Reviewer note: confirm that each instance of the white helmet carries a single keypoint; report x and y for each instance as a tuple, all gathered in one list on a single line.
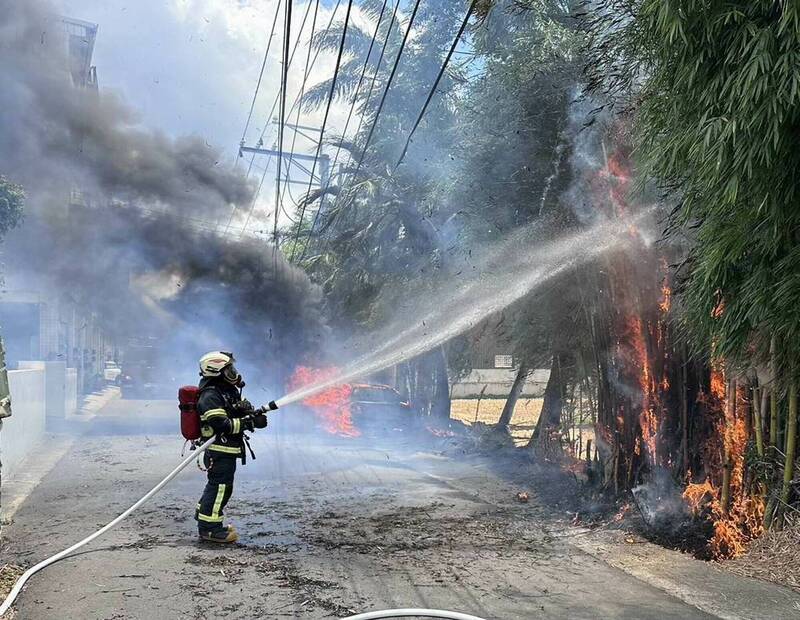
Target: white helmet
[(219, 364)]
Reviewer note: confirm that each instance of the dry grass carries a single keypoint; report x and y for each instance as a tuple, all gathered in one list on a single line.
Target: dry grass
[(488, 411), (773, 557), (8, 577)]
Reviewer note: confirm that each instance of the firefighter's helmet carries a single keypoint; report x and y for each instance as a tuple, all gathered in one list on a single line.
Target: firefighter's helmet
[(219, 364)]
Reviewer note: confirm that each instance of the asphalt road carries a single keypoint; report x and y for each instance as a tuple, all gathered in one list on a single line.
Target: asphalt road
[(328, 527)]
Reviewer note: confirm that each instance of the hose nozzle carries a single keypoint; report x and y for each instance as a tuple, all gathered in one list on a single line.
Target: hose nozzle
[(272, 406)]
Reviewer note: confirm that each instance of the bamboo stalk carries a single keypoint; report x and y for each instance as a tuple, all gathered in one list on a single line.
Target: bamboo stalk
[(769, 512), (773, 417), (757, 423), (773, 404), (791, 442), (764, 406), (684, 413), (727, 465)]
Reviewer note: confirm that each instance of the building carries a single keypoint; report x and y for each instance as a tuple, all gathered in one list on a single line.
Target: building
[(79, 38), (38, 325)]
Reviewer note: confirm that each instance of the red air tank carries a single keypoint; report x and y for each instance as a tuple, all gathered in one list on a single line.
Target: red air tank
[(190, 418)]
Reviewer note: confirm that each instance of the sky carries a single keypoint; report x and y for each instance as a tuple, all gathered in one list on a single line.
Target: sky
[(191, 66)]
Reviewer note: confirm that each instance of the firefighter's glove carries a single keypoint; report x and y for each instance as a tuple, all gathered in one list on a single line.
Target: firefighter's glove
[(244, 406), (254, 421)]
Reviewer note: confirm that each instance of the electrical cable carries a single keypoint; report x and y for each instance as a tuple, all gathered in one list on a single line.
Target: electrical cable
[(388, 86), (347, 122), (250, 113), (324, 121), (261, 73), (377, 69), (438, 79), (272, 110), (284, 80), (383, 98), (364, 107), (300, 97), (369, 96)]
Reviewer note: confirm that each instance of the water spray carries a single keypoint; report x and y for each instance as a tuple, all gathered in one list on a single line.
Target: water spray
[(507, 276), (474, 301)]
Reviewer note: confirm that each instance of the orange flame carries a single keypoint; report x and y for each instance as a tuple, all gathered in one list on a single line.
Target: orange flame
[(331, 406), (666, 295), (742, 521), (648, 417), (699, 494)]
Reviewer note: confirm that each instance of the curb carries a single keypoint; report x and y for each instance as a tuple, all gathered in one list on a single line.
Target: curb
[(702, 585), (46, 454)]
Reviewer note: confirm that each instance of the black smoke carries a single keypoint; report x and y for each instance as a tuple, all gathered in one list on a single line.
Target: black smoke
[(118, 216)]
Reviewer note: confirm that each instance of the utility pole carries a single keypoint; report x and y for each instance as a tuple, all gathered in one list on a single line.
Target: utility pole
[(294, 160), (296, 167)]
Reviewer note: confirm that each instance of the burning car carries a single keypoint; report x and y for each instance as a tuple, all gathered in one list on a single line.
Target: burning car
[(378, 407), (349, 409)]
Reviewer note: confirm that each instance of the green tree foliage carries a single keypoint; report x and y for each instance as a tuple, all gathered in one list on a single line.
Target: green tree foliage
[(716, 86), (379, 227), (12, 200)]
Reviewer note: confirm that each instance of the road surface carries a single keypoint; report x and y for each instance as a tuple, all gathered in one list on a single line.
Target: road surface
[(328, 527)]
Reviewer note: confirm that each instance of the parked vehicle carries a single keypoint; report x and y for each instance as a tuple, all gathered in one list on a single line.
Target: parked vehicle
[(112, 372), (141, 376), (378, 408)]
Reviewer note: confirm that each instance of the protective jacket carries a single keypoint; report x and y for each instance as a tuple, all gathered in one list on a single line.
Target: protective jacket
[(219, 406)]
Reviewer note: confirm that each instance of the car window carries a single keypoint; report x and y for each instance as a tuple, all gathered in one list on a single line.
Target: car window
[(375, 395)]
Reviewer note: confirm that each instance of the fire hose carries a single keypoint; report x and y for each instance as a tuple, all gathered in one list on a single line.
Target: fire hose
[(20, 583), (412, 613), (12, 596)]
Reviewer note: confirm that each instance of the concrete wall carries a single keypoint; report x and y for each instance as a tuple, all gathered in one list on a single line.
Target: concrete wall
[(497, 382), (71, 391), (54, 386), (25, 427), (42, 395)]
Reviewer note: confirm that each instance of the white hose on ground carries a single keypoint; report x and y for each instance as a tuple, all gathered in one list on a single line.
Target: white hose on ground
[(12, 596), (412, 613)]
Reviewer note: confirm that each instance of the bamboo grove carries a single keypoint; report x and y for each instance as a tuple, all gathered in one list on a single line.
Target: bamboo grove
[(679, 352)]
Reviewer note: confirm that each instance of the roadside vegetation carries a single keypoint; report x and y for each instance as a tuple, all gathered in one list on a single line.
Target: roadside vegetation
[(680, 355)]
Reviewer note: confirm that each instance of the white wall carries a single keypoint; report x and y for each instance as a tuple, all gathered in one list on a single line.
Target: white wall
[(497, 382), (26, 426), (71, 391)]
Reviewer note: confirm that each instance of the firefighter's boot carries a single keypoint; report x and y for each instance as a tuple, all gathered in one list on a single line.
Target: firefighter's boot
[(224, 535)]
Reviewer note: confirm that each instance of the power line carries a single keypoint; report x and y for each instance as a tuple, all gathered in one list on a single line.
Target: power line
[(358, 86), (388, 85), (353, 106), (377, 69), (249, 117), (302, 91), (261, 73), (277, 96), (272, 110), (438, 79), (284, 80), (324, 120)]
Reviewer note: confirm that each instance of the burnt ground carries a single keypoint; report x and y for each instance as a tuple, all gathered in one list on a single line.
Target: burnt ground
[(331, 527)]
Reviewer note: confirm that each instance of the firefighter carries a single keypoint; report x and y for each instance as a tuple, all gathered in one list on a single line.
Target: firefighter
[(224, 413)]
